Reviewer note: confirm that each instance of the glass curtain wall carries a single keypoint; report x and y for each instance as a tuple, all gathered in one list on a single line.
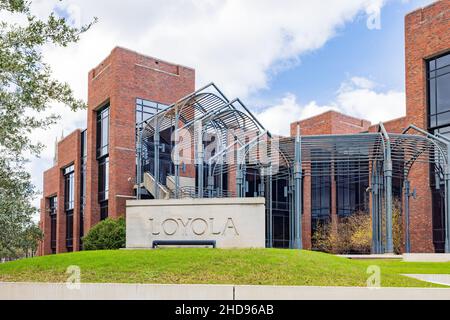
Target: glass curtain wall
[(69, 202), (103, 159), (438, 85)]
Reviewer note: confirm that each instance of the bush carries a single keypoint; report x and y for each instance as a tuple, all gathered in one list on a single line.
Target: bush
[(107, 235), (353, 234)]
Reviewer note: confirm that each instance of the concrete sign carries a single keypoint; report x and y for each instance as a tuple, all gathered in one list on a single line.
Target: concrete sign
[(231, 222)]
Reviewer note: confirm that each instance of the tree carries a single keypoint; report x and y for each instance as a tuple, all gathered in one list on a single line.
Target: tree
[(27, 90)]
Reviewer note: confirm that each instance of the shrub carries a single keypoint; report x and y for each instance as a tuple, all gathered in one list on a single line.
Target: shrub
[(353, 234), (106, 235)]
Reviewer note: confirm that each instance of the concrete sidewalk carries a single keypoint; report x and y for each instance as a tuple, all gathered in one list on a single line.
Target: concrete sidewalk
[(443, 279), (99, 291)]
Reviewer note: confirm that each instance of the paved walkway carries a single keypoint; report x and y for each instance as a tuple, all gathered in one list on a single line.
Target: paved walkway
[(434, 278), (113, 291)]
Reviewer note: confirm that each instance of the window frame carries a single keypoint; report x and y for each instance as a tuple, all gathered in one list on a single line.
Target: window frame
[(102, 119), (431, 77)]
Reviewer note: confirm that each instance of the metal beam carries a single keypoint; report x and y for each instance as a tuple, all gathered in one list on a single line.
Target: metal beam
[(447, 203), (375, 212), (200, 159), (156, 160), (298, 192), (139, 162), (388, 190), (177, 155), (407, 188)]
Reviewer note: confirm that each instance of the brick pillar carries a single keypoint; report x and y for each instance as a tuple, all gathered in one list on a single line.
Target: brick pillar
[(420, 213), (44, 245), (61, 218)]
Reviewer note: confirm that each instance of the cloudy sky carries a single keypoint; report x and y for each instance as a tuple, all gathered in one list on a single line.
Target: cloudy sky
[(287, 60)]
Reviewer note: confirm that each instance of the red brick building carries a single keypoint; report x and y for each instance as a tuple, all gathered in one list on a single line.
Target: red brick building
[(94, 172)]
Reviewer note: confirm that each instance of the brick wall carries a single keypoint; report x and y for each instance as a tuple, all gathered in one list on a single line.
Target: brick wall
[(427, 35), (119, 79), (330, 122), (69, 152)]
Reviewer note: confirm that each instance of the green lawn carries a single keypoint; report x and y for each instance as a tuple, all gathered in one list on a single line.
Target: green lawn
[(216, 266)]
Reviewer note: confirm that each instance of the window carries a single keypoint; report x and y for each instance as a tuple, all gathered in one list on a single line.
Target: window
[(69, 201), (438, 85), (53, 208), (321, 191), (103, 159), (103, 179), (352, 180), (438, 78), (69, 230), (102, 131), (69, 191), (103, 186), (104, 210), (145, 109)]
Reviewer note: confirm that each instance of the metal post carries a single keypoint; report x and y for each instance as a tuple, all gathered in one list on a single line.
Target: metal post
[(177, 155), (407, 195), (269, 200), (375, 240), (210, 181), (220, 191), (238, 174), (447, 202), (292, 212), (298, 192), (156, 160), (200, 159), (239, 181), (263, 172), (139, 162), (380, 183), (388, 190)]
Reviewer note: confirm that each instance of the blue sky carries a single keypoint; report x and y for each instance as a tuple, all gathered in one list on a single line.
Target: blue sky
[(340, 63), (355, 51)]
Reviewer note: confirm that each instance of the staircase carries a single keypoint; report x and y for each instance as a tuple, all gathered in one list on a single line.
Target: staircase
[(185, 185), (149, 184)]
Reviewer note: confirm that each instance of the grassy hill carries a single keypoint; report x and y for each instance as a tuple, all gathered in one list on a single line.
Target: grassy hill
[(216, 266)]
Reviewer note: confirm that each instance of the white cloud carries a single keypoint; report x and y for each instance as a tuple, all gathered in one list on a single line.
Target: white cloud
[(278, 118), (238, 44), (357, 97)]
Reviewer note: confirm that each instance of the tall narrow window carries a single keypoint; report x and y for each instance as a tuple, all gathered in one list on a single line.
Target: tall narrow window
[(102, 131), (438, 85), (69, 202), (320, 189), (352, 180), (103, 179), (103, 160), (53, 210)]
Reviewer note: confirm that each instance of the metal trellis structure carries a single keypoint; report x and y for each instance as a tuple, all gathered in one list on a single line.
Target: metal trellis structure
[(206, 146)]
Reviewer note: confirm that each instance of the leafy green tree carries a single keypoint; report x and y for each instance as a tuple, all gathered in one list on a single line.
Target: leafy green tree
[(27, 90), (109, 234)]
